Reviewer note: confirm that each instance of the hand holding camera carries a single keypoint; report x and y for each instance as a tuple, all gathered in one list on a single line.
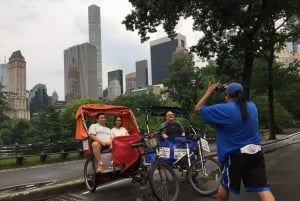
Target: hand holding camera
[(220, 88)]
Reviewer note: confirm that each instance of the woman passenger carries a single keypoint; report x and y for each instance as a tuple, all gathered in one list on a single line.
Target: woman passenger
[(118, 129)]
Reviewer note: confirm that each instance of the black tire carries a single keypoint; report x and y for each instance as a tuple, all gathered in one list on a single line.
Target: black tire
[(90, 176), (205, 184), (163, 182)]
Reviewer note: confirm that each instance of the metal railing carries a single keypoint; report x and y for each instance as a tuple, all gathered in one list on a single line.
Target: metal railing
[(41, 149)]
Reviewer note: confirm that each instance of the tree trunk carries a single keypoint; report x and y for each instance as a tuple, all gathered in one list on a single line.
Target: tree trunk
[(270, 94), (247, 71)]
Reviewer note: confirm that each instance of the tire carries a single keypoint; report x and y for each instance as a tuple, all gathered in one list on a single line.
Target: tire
[(90, 176), (163, 182), (205, 184)]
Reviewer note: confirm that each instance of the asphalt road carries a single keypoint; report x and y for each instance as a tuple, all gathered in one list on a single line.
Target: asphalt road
[(283, 175), (278, 163), (41, 174)]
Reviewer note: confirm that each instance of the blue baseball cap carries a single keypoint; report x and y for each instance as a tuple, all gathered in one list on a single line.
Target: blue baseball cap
[(233, 88)]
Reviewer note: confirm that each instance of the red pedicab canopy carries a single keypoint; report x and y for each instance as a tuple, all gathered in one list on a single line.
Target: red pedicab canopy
[(123, 153)]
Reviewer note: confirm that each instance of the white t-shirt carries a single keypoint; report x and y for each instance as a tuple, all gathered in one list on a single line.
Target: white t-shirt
[(102, 132), (119, 132)]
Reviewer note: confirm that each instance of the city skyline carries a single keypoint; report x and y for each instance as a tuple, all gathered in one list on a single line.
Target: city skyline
[(43, 34)]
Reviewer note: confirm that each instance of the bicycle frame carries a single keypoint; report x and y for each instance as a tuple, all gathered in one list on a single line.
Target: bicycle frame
[(189, 155), (202, 172)]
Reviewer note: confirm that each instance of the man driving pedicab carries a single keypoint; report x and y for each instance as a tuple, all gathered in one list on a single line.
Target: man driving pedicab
[(171, 126)]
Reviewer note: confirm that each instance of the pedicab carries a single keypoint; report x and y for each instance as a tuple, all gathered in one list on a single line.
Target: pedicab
[(187, 154), (127, 155)]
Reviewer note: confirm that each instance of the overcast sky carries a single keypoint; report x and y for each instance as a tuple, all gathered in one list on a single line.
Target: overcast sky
[(43, 29)]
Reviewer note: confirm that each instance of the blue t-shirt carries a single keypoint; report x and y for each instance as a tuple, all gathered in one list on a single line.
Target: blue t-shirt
[(232, 132)]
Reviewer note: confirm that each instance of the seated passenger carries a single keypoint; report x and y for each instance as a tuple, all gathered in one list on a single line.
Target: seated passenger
[(171, 126), (118, 129), (101, 136)]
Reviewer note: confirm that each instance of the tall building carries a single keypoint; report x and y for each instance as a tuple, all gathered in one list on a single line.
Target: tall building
[(80, 72), (289, 54), (130, 79), (115, 84), (179, 52), (161, 51), (54, 97), (38, 99), (3, 77), (95, 39), (16, 85), (141, 69)]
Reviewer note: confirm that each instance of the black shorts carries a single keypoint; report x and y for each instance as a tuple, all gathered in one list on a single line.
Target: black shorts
[(249, 168)]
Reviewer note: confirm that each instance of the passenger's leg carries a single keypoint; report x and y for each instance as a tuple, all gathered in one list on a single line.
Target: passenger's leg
[(223, 194), (266, 196), (96, 150)]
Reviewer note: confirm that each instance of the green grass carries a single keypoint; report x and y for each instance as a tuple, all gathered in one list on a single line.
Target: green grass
[(35, 160)]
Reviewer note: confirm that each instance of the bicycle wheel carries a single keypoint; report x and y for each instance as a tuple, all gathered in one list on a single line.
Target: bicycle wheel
[(201, 183), (163, 182), (90, 176)]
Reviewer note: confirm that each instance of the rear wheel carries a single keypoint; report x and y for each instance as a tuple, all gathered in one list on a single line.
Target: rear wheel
[(90, 176), (205, 184), (163, 182)]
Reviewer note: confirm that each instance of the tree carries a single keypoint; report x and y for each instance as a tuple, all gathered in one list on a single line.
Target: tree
[(4, 105), (229, 27), (184, 81), (68, 116)]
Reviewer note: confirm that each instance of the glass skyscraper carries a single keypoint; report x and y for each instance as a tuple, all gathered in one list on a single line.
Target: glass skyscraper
[(161, 56)]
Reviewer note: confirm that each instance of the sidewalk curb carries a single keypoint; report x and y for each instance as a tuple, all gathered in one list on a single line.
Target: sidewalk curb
[(285, 138), (46, 192)]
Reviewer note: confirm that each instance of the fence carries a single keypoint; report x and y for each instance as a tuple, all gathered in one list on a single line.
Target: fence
[(43, 150)]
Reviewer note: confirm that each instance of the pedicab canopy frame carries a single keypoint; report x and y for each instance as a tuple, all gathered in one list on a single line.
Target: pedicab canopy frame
[(123, 153)]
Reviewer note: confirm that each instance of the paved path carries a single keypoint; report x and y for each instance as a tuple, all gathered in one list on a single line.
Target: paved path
[(68, 170), (44, 173)]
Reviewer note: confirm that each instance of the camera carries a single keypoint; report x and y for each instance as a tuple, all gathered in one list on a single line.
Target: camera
[(220, 88)]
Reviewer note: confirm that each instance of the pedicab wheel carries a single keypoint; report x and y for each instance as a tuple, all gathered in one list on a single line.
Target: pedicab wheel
[(205, 184), (163, 182), (90, 175)]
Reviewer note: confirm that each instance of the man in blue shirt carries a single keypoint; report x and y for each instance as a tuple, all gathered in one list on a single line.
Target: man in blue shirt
[(238, 142)]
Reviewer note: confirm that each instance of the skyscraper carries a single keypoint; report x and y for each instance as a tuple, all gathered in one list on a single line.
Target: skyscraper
[(80, 72), (16, 85), (95, 39), (161, 51), (38, 99), (130, 80), (141, 69), (115, 84)]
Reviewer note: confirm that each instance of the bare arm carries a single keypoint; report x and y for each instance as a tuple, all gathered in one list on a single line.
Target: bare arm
[(202, 102)]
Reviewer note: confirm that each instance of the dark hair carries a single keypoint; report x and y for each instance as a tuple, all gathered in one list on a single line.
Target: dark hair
[(240, 99), (116, 119), (99, 114)]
